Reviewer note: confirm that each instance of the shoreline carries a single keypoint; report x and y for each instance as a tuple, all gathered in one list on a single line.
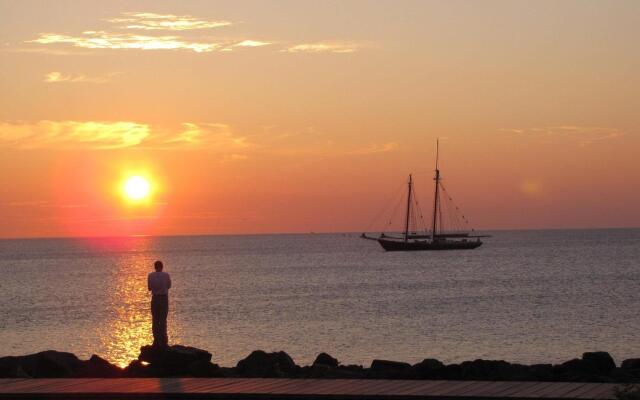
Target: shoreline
[(185, 361)]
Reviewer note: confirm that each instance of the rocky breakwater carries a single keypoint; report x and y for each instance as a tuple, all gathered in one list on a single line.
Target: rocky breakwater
[(180, 360)]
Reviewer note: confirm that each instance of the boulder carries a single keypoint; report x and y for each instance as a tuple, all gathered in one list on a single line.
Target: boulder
[(204, 369), (172, 360), (326, 359), (137, 369), (601, 361), (46, 364), (498, 370), (260, 364), (389, 369), (428, 368), (322, 371), (631, 363), (98, 367), (541, 372)]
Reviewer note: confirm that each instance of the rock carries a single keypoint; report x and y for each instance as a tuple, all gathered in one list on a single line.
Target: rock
[(137, 369), (387, 365), (204, 369), (172, 360), (493, 370), (260, 364), (601, 361), (576, 370), (326, 359), (98, 367), (541, 372), (389, 369), (631, 363), (428, 368), (46, 364), (322, 371)]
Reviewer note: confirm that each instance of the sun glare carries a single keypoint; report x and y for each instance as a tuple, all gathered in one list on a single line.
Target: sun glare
[(137, 188)]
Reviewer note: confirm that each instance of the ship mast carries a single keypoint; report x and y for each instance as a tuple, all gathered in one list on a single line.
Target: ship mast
[(435, 197), (406, 221)]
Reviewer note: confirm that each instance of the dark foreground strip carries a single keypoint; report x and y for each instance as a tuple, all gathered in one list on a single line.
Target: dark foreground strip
[(297, 389)]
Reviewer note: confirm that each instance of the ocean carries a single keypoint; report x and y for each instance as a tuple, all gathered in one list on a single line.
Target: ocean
[(524, 296)]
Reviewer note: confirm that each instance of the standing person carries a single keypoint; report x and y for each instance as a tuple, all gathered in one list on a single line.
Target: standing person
[(159, 283)]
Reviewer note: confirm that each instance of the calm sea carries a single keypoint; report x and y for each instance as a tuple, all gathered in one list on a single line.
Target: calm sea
[(525, 296)]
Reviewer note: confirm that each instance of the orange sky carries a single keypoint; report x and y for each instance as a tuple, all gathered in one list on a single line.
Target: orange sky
[(290, 116)]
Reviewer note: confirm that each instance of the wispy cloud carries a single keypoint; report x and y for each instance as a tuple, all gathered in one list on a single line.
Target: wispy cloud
[(120, 134), (323, 48), (121, 34), (106, 40), (584, 135), (375, 148), (251, 43), (152, 21), (72, 134), (57, 77)]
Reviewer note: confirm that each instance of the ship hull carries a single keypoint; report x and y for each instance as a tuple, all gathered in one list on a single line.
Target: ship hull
[(398, 245)]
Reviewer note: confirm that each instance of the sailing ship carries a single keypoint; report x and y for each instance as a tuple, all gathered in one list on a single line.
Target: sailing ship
[(436, 237)]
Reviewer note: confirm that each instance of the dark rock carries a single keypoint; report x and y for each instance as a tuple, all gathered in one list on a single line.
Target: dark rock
[(137, 369), (46, 364), (326, 359), (98, 367), (494, 370), (322, 371), (631, 363), (601, 361), (260, 364), (428, 368), (386, 369), (541, 372), (204, 369), (387, 365), (577, 370), (172, 360)]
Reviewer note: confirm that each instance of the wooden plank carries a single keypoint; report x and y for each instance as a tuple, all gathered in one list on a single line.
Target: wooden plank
[(456, 388), (491, 388), (522, 390), (604, 391), (270, 388), (427, 388), (587, 388), (558, 390), (209, 385)]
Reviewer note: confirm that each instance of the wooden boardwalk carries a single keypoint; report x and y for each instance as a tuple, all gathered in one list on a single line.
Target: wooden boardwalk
[(296, 389)]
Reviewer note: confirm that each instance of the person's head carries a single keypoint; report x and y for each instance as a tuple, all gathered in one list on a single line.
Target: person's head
[(158, 265)]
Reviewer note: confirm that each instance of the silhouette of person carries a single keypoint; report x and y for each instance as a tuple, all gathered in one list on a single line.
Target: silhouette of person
[(159, 283)]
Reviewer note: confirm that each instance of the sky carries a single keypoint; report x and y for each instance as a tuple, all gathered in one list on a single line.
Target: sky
[(301, 116)]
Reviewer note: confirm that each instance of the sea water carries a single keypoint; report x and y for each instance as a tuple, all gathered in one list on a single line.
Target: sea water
[(524, 296)]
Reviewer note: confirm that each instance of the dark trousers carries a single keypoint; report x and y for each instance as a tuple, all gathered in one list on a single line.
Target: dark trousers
[(159, 312)]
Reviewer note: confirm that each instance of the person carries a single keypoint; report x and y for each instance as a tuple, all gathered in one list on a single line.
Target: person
[(159, 283)]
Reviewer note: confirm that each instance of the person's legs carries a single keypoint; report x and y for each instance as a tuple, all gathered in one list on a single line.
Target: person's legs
[(162, 321), (155, 320)]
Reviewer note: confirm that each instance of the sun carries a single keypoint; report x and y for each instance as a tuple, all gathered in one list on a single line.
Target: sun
[(137, 188)]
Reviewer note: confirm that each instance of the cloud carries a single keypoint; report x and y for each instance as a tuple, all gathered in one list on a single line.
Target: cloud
[(120, 134), (106, 40), (376, 148), (57, 77), (323, 48), (251, 43), (585, 135), (151, 21), (72, 134)]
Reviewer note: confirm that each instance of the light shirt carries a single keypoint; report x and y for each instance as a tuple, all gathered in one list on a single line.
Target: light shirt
[(159, 282)]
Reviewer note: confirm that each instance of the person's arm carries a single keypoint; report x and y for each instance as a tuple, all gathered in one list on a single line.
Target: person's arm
[(149, 282), (169, 276)]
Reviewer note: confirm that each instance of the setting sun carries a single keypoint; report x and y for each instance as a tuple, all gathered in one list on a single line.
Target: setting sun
[(137, 188)]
